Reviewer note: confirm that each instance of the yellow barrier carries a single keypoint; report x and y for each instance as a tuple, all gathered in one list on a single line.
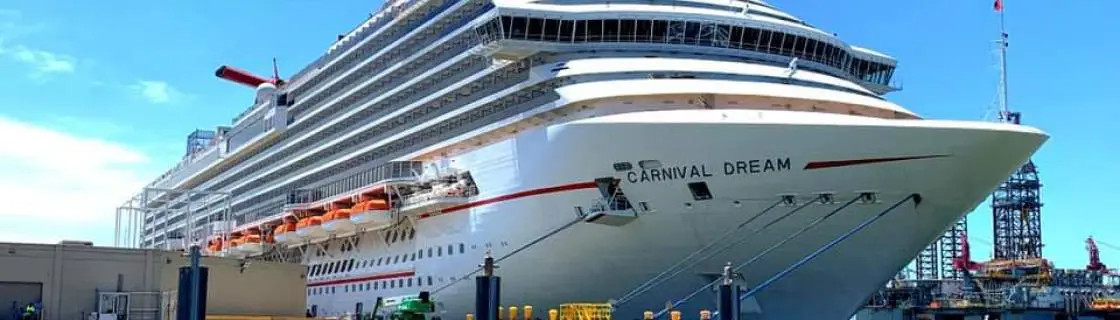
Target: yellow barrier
[(251, 317), (585, 311)]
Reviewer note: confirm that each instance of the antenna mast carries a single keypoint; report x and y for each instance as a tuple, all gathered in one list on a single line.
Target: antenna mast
[(1005, 114)]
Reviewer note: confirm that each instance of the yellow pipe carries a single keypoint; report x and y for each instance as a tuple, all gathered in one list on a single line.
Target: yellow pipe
[(648, 315), (512, 313), (528, 312), (705, 315), (675, 315), (470, 316), (553, 314)]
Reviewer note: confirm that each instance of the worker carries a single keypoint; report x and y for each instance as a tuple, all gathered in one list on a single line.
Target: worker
[(30, 313)]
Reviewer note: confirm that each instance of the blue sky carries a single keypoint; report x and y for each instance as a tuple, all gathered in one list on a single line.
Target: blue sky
[(99, 99)]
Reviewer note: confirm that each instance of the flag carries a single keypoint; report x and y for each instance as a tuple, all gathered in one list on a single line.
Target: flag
[(998, 6)]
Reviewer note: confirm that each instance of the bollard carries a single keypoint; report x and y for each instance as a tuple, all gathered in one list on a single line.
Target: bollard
[(648, 315), (512, 313), (675, 315), (553, 314), (528, 312), (705, 315), (470, 316)]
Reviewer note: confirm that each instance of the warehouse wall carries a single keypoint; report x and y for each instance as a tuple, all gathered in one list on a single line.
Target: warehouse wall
[(261, 288), (71, 276)]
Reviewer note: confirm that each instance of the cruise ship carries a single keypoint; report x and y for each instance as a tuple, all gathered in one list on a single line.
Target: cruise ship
[(616, 152)]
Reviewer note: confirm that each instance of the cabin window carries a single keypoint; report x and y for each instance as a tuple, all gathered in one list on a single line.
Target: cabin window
[(450, 249), (462, 248)]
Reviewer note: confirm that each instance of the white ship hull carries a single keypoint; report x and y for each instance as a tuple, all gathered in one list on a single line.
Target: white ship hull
[(532, 184)]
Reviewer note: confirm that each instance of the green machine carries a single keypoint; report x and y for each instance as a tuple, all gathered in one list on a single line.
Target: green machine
[(414, 308), (420, 307)]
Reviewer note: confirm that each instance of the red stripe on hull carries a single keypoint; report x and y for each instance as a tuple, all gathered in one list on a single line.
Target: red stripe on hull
[(380, 276), (853, 162), (512, 196)]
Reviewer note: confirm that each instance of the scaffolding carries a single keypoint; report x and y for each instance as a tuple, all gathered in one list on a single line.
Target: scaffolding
[(926, 266), (952, 248), (935, 262), (146, 219), (1016, 215)]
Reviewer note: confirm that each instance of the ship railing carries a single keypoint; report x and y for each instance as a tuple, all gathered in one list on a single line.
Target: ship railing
[(389, 173), (612, 204)]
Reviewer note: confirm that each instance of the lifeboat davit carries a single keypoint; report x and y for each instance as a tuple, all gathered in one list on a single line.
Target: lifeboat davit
[(251, 244), (373, 214), (337, 221), (311, 228), (286, 233)]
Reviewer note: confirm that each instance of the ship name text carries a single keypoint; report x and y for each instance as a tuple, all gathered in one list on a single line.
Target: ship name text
[(700, 171)]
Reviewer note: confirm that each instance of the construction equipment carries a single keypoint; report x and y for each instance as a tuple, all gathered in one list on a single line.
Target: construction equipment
[(418, 308)]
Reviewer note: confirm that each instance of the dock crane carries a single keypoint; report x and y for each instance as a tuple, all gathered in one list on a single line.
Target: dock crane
[(1095, 263)]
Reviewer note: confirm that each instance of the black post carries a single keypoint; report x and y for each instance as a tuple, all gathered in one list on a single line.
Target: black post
[(728, 302), (196, 255), (487, 295)]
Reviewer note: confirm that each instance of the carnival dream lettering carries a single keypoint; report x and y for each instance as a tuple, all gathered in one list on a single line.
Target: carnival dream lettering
[(695, 171)]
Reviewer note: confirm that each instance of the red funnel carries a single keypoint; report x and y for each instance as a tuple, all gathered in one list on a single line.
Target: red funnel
[(240, 76)]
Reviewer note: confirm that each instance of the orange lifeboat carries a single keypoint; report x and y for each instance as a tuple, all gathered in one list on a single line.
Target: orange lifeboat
[(251, 244), (337, 221), (286, 233), (373, 214), (311, 228), (233, 243), (214, 245)]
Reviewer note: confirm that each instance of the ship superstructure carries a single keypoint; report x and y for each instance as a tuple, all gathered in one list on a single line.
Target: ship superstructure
[(591, 144)]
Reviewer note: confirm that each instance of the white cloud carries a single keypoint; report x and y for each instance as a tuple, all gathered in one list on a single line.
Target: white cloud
[(44, 62), (56, 186), (158, 92)]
